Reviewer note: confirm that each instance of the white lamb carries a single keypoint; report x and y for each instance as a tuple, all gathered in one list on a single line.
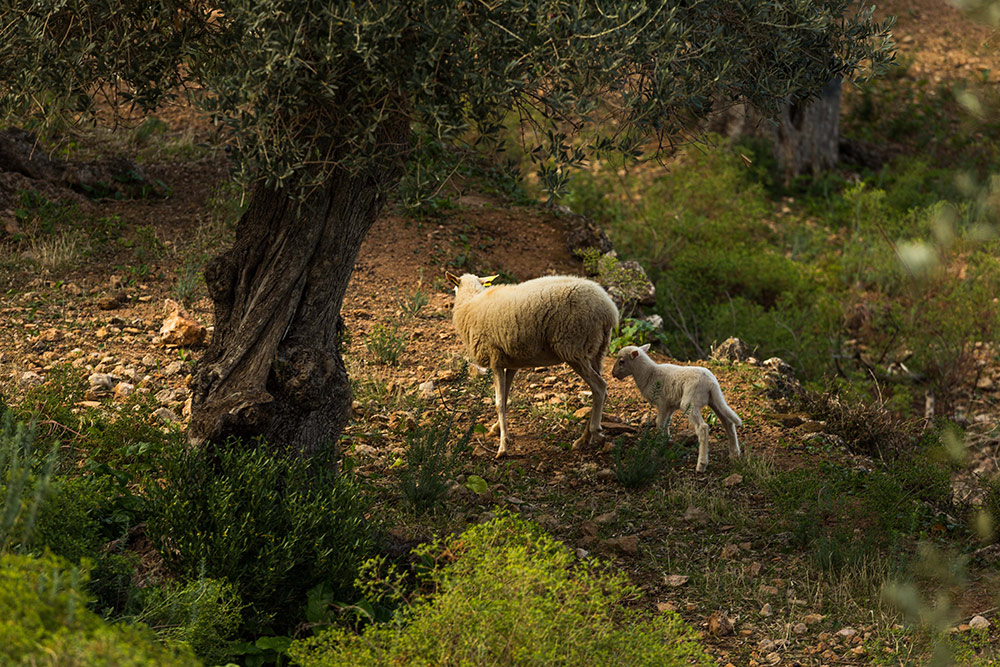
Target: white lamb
[(540, 322), (671, 387)]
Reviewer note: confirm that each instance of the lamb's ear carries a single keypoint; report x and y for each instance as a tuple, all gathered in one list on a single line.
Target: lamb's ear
[(645, 348), (452, 278), (488, 280), (634, 354)]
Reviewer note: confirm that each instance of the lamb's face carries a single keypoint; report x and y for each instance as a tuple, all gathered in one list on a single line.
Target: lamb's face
[(623, 364)]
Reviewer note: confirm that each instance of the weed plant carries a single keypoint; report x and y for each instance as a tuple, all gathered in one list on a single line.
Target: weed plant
[(867, 427), (203, 615), (642, 461), (505, 593), (412, 303), (431, 459), (386, 344)]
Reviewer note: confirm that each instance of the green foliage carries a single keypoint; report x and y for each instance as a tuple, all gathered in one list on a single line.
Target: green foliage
[(271, 525), (430, 461), (505, 593), (202, 615), (189, 281), (639, 463), (991, 508), (46, 621), (386, 344), (631, 331)]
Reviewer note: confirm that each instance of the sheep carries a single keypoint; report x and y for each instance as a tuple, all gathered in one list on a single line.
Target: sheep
[(671, 387), (540, 322)]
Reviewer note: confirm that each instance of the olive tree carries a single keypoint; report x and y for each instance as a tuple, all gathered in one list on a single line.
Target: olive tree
[(318, 100)]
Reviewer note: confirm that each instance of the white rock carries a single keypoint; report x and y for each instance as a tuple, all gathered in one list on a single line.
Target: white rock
[(427, 390), (166, 415), (101, 381), (123, 390), (979, 623), (31, 379)]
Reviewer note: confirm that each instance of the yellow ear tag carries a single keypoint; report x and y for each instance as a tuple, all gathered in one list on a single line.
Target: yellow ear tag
[(488, 280)]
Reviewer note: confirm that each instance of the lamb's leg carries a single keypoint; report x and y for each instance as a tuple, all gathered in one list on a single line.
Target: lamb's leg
[(734, 442), (663, 416), (593, 434), (701, 430)]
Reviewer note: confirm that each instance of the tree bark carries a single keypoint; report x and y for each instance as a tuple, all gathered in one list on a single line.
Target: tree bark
[(273, 368)]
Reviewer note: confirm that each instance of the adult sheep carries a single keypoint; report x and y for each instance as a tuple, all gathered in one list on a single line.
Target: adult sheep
[(541, 322)]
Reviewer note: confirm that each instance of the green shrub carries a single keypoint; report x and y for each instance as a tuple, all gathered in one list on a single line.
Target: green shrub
[(272, 525), (505, 593), (638, 464), (45, 621), (25, 480), (203, 615)]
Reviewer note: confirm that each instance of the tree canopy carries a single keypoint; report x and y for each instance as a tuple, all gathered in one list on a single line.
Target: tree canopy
[(304, 87)]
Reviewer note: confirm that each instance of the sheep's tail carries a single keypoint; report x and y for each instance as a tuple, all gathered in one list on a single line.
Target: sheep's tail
[(722, 408)]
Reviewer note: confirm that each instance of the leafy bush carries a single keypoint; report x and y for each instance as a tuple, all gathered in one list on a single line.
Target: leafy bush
[(505, 593), (46, 621), (271, 525), (638, 464), (634, 332)]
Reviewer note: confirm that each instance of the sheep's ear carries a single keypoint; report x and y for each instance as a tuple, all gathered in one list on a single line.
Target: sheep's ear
[(488, 280), (452, 278), (634, 354), (645, 348)]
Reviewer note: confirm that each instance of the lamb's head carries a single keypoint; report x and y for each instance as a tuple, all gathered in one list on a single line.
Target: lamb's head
[(468, 285), (627, 358)]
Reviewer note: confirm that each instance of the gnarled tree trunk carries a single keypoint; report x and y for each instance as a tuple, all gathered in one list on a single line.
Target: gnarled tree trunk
[(273, 368), (804, 136)]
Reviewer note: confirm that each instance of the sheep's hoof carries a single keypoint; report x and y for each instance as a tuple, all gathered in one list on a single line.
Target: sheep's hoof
[(500, 453), (701, 467), (588, 438), (494, 428)]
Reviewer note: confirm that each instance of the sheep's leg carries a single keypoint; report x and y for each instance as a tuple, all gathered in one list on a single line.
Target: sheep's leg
[(701, 430), (503, 378), (508, 378), (593, 434)]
